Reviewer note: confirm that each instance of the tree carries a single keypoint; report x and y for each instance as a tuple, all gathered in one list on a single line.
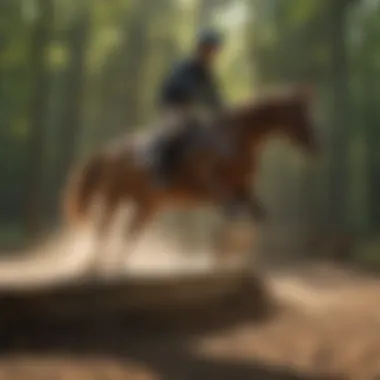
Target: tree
[(71, 120), (340, 113), (38, 108)]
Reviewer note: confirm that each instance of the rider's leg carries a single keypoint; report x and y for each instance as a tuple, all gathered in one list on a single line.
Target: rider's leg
[(166, 148), (194, 133), (158, 169)]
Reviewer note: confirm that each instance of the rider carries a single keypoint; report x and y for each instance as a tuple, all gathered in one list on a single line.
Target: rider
[(189, 84)]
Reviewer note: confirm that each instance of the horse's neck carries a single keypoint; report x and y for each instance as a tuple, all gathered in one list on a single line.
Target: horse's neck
[(250, 143), (260, 131)]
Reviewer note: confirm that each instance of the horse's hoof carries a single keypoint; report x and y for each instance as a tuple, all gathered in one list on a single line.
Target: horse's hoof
[(259, 215)]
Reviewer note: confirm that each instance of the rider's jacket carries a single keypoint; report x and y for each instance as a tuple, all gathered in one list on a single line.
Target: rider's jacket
[(189, 84)]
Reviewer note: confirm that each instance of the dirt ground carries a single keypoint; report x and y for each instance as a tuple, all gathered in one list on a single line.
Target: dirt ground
[(318, 324)]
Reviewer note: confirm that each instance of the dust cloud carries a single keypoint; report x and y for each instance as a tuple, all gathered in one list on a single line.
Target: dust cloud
[(317, 321)]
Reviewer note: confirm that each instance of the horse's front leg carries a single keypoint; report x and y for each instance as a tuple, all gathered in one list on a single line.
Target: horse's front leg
[(208, 181), (98, 262), (141, 217), (241, 210), (244, 203), (256, 209)]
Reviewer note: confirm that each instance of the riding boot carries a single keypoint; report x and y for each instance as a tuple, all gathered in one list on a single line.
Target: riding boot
[(159, 177), (160, 167), (164, 166), (194, 135)]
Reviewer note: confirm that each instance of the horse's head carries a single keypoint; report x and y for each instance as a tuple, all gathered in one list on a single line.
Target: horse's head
[(297, 120), (287, 114)]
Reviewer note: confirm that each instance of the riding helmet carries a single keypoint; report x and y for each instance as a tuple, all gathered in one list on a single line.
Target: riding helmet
[(209, 37)]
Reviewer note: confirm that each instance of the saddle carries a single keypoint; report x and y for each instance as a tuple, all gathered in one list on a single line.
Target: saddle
[(170, 146), (184, 136), (182, 140)]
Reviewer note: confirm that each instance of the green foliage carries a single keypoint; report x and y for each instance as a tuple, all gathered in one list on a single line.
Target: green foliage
[(367, 254), (114, 53)]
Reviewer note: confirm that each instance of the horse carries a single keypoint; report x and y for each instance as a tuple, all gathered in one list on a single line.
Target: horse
[(118, 173)]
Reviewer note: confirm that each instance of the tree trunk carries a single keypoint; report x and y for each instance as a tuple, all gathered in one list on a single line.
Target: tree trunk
[(121, 84), (340, 128), (71, 120), (340, 115), (372, 137), (38, 107)]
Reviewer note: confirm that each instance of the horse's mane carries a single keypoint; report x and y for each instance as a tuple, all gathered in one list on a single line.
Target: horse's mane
[(270, 101)]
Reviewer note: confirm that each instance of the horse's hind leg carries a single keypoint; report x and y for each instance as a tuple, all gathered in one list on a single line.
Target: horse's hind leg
[(103, 229), (140, 218)]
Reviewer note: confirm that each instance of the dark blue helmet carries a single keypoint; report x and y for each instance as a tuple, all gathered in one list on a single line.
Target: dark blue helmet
[(209, 37)]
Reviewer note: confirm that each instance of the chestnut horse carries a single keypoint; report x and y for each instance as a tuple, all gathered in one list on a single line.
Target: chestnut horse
[(119, 172)]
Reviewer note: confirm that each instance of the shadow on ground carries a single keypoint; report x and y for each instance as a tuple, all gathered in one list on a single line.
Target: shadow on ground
[(139, 347)]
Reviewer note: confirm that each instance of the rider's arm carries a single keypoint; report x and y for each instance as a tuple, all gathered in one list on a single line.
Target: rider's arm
[(178, 87), (186, 80), (213, 95)]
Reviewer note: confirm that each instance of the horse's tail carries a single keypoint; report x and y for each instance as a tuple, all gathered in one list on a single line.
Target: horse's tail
[(81, 189)]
